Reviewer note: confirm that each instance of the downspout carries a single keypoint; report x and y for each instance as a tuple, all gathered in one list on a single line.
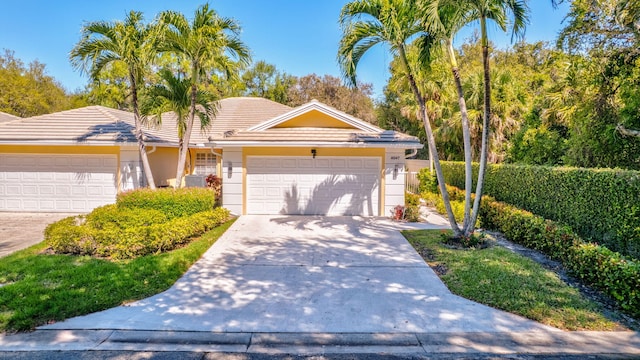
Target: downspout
[(215, 153), (413, 153)]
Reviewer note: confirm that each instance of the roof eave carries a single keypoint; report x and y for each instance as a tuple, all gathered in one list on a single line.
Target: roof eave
[(348, 144)]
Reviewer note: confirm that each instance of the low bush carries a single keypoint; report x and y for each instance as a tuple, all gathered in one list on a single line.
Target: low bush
[(428, 181), (69, 236), (596, 265), (173, 203), (111, 215), (412, 207), (601, 205)]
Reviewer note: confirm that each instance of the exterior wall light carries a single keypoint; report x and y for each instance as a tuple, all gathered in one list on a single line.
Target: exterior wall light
[(314, 152), (229, 169)]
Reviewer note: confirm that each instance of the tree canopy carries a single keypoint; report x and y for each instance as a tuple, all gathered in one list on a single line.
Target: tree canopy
[(27, 90)]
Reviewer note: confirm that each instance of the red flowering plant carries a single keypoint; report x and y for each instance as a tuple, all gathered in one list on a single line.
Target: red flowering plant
[(214, 183)]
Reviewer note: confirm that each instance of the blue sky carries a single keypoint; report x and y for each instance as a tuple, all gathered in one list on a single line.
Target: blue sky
[(300, 37)]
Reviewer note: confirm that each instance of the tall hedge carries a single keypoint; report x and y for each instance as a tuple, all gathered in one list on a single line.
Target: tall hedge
[(173, 203), (601, 205)]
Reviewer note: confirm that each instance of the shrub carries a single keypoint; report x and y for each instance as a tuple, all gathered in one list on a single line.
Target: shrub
[(173, 203), (69, 237), (596, 265), (111, 215), (428, 181), (601, 205), (214, 183), (412, 207)]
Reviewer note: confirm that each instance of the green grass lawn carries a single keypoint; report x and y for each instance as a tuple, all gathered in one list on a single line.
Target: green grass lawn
[(501, 279), (39, 288)]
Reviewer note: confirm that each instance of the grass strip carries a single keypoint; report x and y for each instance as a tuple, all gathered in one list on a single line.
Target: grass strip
[(507, 281), (38, 288)]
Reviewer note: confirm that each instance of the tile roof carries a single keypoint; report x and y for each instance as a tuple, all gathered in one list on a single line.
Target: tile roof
[(99, 124), (236, 113), (91, 123), (4, 117), (319, 135)]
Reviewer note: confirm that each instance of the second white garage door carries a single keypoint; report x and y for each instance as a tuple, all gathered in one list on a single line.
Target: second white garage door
[(306, 186), (56, 182)]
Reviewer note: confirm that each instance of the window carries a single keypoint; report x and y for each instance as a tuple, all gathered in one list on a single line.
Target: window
[(205, 164)]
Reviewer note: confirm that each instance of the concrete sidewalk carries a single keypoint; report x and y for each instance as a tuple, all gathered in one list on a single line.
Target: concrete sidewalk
[(412, 345)]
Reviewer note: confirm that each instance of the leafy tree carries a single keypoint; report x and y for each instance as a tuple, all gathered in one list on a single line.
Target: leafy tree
[(208, 42), (264, 80), (130, 43), (27, 90), (111, 88), (606, 35), (330, 90)]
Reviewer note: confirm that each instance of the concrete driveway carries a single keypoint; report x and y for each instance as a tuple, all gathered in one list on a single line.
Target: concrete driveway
[(21, 230), (307, 274)]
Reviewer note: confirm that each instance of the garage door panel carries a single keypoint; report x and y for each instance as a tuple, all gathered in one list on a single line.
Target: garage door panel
[(47, 190), (30, 190), (289, 163), (47, 205), (321, 186), (323, 163), (13, 177), (82, 162), (57, 182)]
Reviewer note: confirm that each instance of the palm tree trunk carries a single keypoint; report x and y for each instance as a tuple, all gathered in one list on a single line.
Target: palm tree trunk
[(184, 142), (485, 127), (431, 143), (466, 135), (142, 148)]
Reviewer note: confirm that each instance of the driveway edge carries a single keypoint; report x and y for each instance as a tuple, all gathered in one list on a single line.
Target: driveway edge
[(534, 343)]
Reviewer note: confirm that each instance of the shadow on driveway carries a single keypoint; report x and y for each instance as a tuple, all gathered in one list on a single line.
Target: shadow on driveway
[(307, 274)]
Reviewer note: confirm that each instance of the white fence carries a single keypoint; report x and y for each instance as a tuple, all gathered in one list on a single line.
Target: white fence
[(411, 181)]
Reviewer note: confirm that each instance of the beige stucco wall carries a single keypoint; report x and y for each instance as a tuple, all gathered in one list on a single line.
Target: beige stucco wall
[(163, 162)]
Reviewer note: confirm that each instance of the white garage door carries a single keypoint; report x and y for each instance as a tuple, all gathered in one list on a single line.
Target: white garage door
[(306, 186), (56, 183)]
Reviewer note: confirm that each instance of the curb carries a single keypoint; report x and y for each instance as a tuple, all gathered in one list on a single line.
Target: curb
[(533, 343)]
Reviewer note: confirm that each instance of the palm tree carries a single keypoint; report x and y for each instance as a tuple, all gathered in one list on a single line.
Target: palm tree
[(442, 22), (443, 19), (129, 42), (366, 23), (499, 11), (172, 94), (207, 42)]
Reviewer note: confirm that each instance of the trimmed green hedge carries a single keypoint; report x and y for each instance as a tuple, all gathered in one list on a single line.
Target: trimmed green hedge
[(596, 265), (171, 202), (112, 216), (70, 236), (601, 205)]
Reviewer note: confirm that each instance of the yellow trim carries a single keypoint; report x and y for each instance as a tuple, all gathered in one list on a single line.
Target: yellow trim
[(57, 149), (306, 151), (315, 118)]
